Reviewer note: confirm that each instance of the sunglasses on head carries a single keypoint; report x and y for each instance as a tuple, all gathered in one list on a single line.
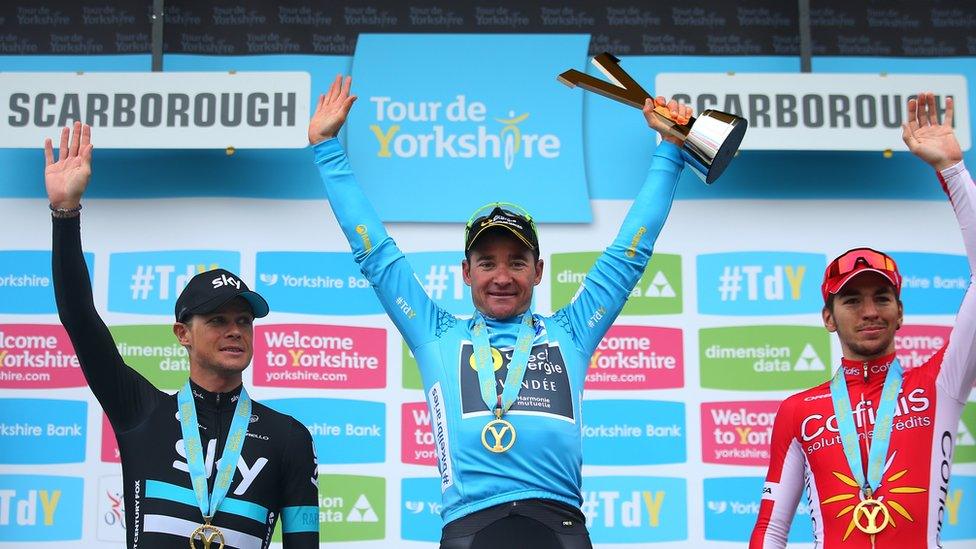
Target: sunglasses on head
[(861, 256), (489, 207)]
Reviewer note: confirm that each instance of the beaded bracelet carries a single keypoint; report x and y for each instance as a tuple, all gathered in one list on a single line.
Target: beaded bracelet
[(62, 213)]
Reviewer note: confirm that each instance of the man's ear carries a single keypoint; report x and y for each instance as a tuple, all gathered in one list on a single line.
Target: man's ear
[(182, 333), (466, 271), (828, 320), (539, 265)]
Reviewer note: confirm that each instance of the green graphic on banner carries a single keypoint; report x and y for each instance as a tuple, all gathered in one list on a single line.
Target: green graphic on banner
[(152, 350), (658, 292), (351, 508), (411, 371), (966, 436), (764, 358)]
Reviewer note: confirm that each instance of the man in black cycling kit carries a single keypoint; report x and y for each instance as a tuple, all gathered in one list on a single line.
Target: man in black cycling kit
[(206, 466)]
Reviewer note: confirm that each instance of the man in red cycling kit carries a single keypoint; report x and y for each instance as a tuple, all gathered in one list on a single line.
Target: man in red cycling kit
[(874, 446)]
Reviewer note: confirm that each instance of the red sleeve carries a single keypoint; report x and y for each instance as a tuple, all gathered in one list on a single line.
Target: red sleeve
[(784, 482)]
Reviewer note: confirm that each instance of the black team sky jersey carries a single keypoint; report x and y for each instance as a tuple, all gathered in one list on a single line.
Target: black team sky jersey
[(276, 475)]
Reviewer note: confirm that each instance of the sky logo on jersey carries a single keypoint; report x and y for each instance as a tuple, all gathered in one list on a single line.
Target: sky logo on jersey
[(915, 343), (111, 510), (420, 511), (960, 504), (635, 509), (732, 506), (37, 356), (658, 292), (153, 351), (148, 283), (637, 357), (452, 140), (352, 508), (417, 438), (317, 283), (764, 358), (319, 356), (650, 433), (40, 508), (737, 433), (932, 284), (411, 370), (965, 451), (760, 283), (26, 286), (344, 431), (440, 275), (42, 431), (110, 445)]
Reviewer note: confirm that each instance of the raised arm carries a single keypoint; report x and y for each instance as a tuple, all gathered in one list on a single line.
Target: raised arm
[(383, 264), (124, 394), (609, 282), (936, 144)]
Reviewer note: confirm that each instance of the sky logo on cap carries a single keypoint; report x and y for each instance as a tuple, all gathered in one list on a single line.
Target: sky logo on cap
[(318, 283), (764, 358), (37, 356), (26, 286), (344, 431), (149, 282), (637, 357), (320, 356), (42, 430), (760, 283), (658, 292), (960, 504), (440, 275), (455, 139), (737, 433), (635, 509), (153, 351), (416, 437), (915, 343), (420, 511), (932, 284), (650, 433), (40, 508), (732, 506)]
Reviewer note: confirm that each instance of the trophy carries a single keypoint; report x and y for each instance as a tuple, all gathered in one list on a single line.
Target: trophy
[(708, 142)]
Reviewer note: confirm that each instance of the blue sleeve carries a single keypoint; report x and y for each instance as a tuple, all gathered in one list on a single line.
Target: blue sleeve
[(382, 263), (609, 282)]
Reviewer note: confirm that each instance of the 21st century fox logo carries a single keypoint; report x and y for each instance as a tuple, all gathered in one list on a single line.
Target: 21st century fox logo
[(450, 133)]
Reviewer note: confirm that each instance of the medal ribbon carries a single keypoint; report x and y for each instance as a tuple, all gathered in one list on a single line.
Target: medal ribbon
[(516, 367), (194, 449), (880, 437)]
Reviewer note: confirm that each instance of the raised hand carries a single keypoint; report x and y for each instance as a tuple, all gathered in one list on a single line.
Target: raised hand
[(331, 111), (67, 179), (680, 114), (929, 140)]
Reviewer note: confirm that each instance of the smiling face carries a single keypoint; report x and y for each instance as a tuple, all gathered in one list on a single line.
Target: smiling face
[(865, 314), (502, 272), (219, 342)]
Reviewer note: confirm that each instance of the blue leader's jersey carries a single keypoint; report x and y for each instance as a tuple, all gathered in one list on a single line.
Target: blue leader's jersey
[(546, 459)]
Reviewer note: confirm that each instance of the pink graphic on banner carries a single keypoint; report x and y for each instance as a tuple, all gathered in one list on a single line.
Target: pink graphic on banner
[(319, 356), (110, 447), (417, 439), (37, 356), (914, 343), (637, 357), (737, 433)]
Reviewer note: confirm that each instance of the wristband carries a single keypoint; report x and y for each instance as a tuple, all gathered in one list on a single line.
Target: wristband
[(62, 213)]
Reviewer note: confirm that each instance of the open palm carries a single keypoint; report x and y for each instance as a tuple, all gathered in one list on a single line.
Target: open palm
[(331, 111), (926, 138), (67, 179)]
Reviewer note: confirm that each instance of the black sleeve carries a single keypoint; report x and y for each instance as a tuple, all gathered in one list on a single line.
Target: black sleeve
[(300, 493), (124, 394)]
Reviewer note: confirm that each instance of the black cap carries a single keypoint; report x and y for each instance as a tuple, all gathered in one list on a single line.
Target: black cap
[(208, 291), (519, 225)]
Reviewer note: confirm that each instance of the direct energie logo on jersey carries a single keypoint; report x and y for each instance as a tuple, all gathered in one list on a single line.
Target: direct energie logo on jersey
[(737, 433), (732, 506), (25, 281), (635, 509), (915, 344), (932, 283), (344, 431), (319, 356), (37, 356), (40, 508), (153, 351), (764, 358), (658, 292), (637, 357), (318, 283), (420, 510), (42, 430), (650, 432), (148, 283), (760, 283)]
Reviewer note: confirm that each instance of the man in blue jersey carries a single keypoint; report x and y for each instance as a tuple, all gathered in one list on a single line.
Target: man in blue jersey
[(509, 463)]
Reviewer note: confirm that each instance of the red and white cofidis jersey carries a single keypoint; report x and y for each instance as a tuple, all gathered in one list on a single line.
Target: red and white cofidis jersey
[(806, 448)]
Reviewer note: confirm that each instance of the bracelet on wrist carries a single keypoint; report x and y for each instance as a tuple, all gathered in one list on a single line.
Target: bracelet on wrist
[(62, 213)]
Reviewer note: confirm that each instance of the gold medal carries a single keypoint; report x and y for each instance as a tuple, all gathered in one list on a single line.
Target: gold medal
[(870, 509), (208, 534), (500, 430)]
